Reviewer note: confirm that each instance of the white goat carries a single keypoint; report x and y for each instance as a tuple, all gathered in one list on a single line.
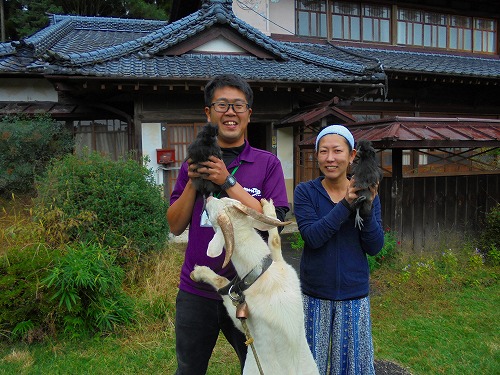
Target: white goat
[(274, 300)]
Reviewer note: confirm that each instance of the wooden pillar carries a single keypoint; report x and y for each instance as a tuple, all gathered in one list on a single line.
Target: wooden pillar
[(397, 192)]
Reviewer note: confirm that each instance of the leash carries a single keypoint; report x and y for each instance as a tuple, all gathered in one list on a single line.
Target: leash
[(235, 291), (242, 314)]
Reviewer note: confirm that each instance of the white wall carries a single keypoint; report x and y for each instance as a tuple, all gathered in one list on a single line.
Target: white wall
[(285, 147), (26, 90), (151, 140), (258, 13)]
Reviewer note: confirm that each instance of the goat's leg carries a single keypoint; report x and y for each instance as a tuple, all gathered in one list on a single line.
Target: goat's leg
[(274, 239), (205, 274)]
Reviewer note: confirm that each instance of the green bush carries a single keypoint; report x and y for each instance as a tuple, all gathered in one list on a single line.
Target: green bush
[(489, 239), (91, 198), (26, 147), (25, 307), (87, 284), (388, 251)]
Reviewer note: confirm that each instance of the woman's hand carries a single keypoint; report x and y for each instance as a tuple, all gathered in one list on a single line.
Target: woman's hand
[(352, 191)]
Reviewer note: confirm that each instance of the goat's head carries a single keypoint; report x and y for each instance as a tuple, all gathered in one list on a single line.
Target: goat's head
[(225, 214)]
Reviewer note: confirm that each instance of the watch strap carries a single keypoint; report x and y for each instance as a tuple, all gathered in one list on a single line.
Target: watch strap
[(230, 182)]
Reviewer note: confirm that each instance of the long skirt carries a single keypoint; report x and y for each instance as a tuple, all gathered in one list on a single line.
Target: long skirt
[(339, 335)]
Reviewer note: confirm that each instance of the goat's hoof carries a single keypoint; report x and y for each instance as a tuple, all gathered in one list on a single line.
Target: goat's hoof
[(192, 275), (268, 207), (195, 274)]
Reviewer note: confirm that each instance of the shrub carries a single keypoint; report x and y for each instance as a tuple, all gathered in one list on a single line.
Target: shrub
[(388, 250), (489, 239), (25, 309), (297, 242), (91, 198), (88, 286), (26, 147)]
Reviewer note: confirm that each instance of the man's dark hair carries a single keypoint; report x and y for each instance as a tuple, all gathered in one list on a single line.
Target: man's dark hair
[(225, 80)]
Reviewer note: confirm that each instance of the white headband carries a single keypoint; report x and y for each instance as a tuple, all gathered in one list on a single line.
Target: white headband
[(336, 129)]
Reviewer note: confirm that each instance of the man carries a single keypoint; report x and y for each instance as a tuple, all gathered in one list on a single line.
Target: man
[(246, 174)]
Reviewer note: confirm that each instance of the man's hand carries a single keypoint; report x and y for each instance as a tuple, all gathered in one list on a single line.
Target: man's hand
[(213, 170)]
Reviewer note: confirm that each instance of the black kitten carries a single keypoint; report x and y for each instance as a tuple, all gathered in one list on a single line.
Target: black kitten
[(205, 145)]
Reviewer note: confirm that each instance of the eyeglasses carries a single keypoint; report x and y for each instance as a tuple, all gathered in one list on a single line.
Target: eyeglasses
[(223, 107)]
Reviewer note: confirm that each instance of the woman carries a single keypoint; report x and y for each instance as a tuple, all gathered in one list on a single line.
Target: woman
[(334, 270)]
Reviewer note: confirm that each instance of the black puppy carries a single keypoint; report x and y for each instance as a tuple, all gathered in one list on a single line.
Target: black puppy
[(204, 145), (367, 173)]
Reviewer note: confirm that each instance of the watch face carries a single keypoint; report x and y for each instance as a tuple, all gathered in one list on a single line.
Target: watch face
[(231, 180)]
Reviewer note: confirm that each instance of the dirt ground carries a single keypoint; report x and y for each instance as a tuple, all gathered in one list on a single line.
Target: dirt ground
[(389, 368)]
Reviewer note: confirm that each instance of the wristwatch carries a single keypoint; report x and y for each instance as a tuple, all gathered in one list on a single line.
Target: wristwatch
[(230, 182)]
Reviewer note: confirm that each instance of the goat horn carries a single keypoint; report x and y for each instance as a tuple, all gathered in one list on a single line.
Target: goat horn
[(228, 232), (260, 217)]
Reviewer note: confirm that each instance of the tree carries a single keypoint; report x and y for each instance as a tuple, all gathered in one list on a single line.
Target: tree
[(25, 17)]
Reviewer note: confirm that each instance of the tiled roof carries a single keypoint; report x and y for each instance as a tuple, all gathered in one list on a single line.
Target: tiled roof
[(125, 48), (128, 48), (400, 60)]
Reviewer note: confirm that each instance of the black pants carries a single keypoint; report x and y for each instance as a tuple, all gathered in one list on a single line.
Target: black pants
[(198, 321)]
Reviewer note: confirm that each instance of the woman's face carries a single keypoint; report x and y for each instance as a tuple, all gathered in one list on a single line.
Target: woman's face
[(334, 156)]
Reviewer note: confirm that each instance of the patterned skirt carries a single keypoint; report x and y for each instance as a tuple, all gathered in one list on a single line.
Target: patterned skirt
[(339, 335)]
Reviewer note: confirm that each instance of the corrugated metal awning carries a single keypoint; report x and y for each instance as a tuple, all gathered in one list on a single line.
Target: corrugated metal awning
[(424, 132)]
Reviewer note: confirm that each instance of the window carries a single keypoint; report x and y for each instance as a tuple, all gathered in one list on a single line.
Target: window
[(109, 137), (484, 35), (424, 29), (311, 18), (346, 21), (460, 33), (368, 23), (360, 22), (376, 23)]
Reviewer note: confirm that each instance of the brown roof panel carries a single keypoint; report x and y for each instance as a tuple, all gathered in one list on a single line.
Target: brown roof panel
[(311, 114), (424, 132)]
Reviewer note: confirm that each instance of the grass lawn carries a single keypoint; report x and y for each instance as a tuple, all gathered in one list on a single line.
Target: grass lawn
[(424, 327), (434, 315)]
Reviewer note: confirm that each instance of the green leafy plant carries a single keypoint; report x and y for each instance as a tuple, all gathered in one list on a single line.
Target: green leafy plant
[(88, 285), (493, 255), (297, 242), (24, 304), (91, 198), (27, 145), (388, 251), (489, 239)]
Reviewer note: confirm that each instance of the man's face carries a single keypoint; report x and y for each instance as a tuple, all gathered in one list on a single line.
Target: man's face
[(232, 125)]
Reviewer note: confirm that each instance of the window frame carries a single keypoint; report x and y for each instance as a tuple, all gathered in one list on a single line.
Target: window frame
[(428, 29)]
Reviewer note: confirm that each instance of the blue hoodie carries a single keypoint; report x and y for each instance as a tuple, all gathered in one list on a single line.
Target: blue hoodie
[(334, 264)]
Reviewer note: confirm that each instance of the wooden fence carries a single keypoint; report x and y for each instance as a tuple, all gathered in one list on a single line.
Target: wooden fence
[(434, 209)]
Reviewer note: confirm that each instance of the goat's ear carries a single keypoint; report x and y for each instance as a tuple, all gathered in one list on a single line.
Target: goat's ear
[(216, 244)]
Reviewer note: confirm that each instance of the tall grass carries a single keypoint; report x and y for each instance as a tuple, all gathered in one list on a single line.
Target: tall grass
[(431, 314)]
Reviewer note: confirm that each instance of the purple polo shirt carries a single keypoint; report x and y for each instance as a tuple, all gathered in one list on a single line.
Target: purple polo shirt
[(261, 175)]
